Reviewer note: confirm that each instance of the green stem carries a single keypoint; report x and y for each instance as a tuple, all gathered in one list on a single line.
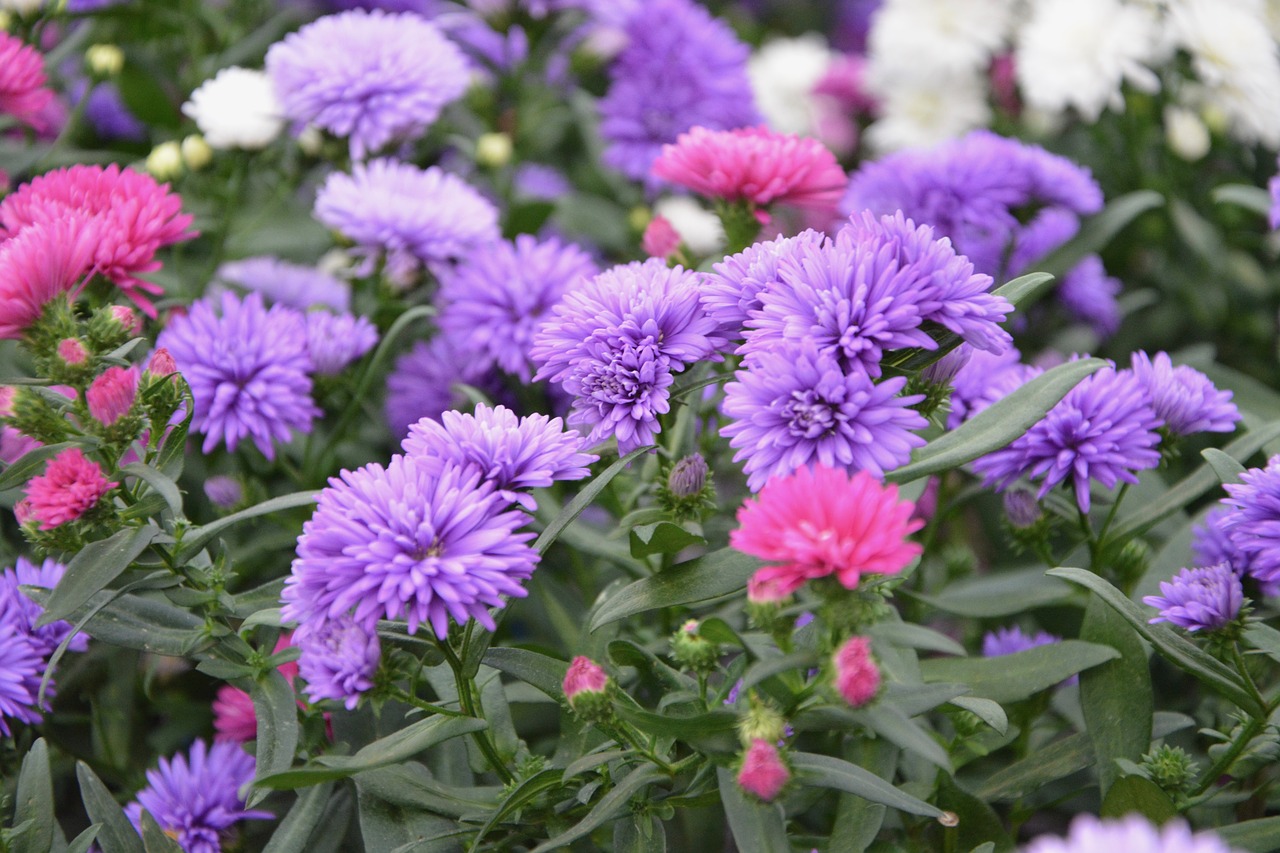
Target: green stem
[(1106, 525), (410, 699), (1247, 734), (1087, 529), (467, 700)]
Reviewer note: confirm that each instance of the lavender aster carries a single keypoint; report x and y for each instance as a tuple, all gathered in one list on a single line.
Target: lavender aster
[(1183, 397), (1011, 640), (1089, 294), (22, 612), (402, 542), (497, 297), (615, 343), (1132, 834), (373, 77), (514, 454), (339, 658), (411, 214), (793, 406), (248, 369), (194, 798), (223, 492), (421, 384), (1199, 599), (680, 68), (734, 291), (1102, 431), (1254, 525), (294, 285), (336, 340), (21, 666)]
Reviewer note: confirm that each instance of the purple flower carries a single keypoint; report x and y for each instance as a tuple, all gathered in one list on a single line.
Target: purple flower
[(1199, 599), (248, 369), (514, 455), (734, 291), (794, 406), (983, 379), (194, 798), (294, 285), (1131, 834), (336, 340), (223, 492), (1183, 397), (374, 77), (1102, 431), (339, 658), (615, 342), (21, 667), (421, 384), (1273, 218), (107, 111), (1011, 640), (22, 612), (681, 68), (1254, 523), (495, 300), (539, 182), (402, 542), (411, 214), (1090, 295)]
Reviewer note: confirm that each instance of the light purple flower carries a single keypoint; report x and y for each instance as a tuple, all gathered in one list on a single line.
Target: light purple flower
[(21, 611), (1254, 523), (223, 492), (1199, 599), (401, 542), (794, 406), (1011, 640), (195, 797), (1183, 397), (290, 284), (983, 379), (734, 291), (413, 215), (336, 340), (21, 667), (372, 77), (248, 368), (513, 454), (1131, 834), (338, 658), (495, 300), (421, 384), (1089, 294)]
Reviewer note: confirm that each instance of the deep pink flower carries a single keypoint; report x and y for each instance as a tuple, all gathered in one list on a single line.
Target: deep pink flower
[(136, 215), (763, 772), (660, 240), (584, 676), (69, 487), (72, 351), (856, 675), (819, 522), (162, 363), (23, 93), (755, 164), (39, 263), (111, 394)]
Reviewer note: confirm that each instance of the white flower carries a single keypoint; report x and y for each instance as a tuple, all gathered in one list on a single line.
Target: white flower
[(238, 108), (783, 73), (933, 39), (1185, 133), (22, 7), (922, 114), (1078, 53), (698, 227)]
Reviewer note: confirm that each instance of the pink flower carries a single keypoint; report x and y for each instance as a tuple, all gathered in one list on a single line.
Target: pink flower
[(125, 316), (39, 263), (584, 676), (660, 240), (857, 676), (136, 217), (766, 591), (819, 522), (763, 772), (70, 487), (111, 394), (162, 363), (23, 93), (72, 351), (754, 164)]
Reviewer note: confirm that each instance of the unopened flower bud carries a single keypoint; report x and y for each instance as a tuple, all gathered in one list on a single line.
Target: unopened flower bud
[(72, 351), (693, 650), (311, 141), (762, 722), (942, 371), (162, 363), (126, 317), (857, 678), (165, 161), (104, 60), (196, 153), (688, 477), (223, 492), (1171, 768), (494, 150), (660, 238), (1186, 133), (23, 512), (586, 687), (763, 772), (111, 394), (1022, 508), (7, 393)]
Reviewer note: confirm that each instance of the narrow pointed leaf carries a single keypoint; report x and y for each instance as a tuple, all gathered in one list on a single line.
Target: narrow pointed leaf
[(1116, 697), (276, 709), (584, 498), (1098, 230), (1011, 678), (34, 801), (823, 771), (610, 806), (757, 827), (718, 573), (198, 537), (295, 830), (97, 565), (116, 834)]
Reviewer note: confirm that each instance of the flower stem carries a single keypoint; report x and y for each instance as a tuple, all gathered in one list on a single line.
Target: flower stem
[(466, 699)]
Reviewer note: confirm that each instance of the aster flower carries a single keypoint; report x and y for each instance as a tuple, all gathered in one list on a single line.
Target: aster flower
[(1011, 640), (22, 612), (411, 214), (223, 492), (233, 716), (23, 90), (1183, 397), (421, 383), (402, 542), (289, 284), (681, 68), (71, 486), (1089, 294), (1132, 834), (194, 797), (40, 263), (754, 164), (21, 668), (236, 108), (514, 455), (819, 522), (1199, 599), (1254, 523), (497, 297), (857, 678), (398, 71), (1103, 431), (248, 368), (339, 658), (135, 217), (1211, 543), (985, 378), (792, 406), (106, 110), (734, 291), (763, 772), (336, 340), (616, 342), (111, 394)]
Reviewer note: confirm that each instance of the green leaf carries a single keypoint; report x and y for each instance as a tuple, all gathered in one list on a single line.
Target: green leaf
[(1048, 763), (1227, 468), (116, 834), (146, 624), (1254, 199), (392, 749), (34, 802), (610, 806), (911, 636), (1255, 836), (1001, 594), (1098, 230), (673, 725), (387, 827), (977, 822), (276, 708), (719, 573), (641, 833), (584, 498), (295, 830), (198, 537), (162, 485), (172, 456), (823, 771), (153, 838), (757, 827), (411, 784), (1116, 697), (145, 97), (97, 565), (1178, 651), (893, 725), (984, 709), (1136, 794), (769, 667), (26, 465), (82, 842), (545, 673), (1012, 678), (998, 424), (517, 798), (664, 537), (1264, 638)]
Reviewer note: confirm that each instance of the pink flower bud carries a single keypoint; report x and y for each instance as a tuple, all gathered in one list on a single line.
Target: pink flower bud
[(127, 317), (763, 772), (162, 363), (766, 591), (7, 393), (22, 511), (856, 675), (72, 351), (584, 676), (111, 394), (660, 239)]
